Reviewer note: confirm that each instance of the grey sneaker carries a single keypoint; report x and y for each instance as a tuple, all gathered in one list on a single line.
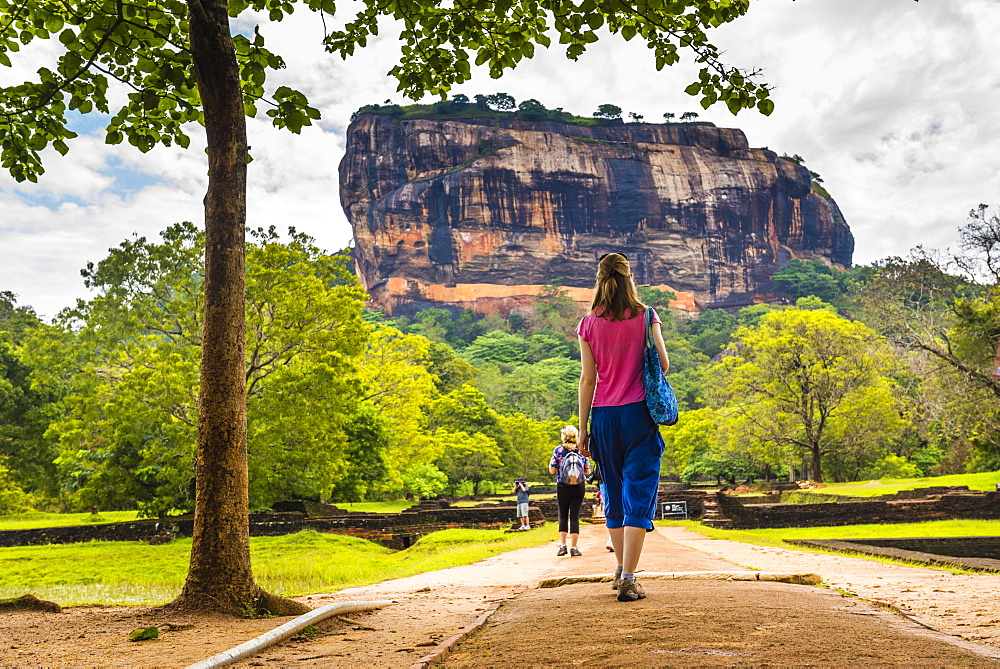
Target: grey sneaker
[(616, 582), (561, 551), (629, 591), (575, 552)]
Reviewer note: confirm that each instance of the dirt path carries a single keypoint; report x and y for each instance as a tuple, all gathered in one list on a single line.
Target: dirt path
[(434, 606), (687, 623), (965, 605)]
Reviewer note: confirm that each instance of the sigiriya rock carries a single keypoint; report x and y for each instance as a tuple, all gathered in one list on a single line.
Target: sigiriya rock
[(481, 213)]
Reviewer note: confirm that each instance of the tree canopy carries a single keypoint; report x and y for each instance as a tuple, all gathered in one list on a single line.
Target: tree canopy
[(176, 63), (130, 357), (811, 382)]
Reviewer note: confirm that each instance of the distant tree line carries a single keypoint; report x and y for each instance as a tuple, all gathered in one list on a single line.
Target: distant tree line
[(879, 370), (502, 105)]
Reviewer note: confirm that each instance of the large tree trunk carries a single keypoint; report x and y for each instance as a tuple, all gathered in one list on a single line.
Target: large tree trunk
[(220, 576), (817, 463)]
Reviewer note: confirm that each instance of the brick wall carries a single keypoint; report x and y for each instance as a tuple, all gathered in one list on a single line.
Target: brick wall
[(970, 547), (938, 507), (387, 528)]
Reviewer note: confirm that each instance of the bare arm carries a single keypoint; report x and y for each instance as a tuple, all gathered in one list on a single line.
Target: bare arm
[(588, 384), (660, 348)]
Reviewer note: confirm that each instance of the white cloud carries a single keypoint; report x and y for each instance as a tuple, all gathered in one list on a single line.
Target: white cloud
[(895, 103)]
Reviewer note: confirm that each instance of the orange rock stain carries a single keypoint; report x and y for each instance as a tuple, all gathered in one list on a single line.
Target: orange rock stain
[(491, 297)]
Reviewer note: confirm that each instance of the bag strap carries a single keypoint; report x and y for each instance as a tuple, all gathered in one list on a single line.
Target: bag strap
[(649, 326)]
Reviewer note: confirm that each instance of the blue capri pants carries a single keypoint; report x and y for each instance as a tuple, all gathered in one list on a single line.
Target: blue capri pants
[(627, 446)]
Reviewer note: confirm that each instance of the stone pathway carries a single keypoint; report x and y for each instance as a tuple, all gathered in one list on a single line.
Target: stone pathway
[(687, 623), (965, 605)]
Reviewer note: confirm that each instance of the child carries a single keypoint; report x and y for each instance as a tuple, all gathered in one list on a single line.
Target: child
[(521, 489)]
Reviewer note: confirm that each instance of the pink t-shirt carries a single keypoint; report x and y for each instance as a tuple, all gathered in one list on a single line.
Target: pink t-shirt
[(617, 348)]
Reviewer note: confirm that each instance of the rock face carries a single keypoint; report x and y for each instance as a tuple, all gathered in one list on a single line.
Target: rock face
[(480, 213)]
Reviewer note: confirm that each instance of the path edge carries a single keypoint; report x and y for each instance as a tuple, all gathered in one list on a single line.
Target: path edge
[(770, 576), (442, 649)]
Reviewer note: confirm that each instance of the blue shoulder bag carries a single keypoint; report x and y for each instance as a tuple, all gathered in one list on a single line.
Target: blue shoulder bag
[(660, 398)]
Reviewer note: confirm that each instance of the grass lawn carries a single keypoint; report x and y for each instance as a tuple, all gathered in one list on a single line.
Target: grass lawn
[(29, 521), (394, 506), (297, 564), (982, 481)]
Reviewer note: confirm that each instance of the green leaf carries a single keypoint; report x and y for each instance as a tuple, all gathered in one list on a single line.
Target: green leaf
[(61, 147), (693, 89), (765, 106), (144, 634), (37, 142)]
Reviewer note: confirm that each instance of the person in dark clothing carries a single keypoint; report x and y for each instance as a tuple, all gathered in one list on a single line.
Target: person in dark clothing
[(522, 490), (571, 469)]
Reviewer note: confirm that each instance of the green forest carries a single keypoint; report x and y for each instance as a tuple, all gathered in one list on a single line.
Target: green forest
[(879, 371)]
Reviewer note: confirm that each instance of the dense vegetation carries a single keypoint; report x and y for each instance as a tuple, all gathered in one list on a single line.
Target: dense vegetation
[(502, 105), (880, 371)]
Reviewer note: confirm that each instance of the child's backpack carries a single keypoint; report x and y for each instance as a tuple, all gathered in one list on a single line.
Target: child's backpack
[(571, 468)]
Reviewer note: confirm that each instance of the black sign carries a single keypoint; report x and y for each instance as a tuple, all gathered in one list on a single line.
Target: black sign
[(674, 509)]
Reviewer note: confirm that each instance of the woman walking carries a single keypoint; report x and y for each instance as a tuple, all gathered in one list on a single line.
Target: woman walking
[(624, 440), (571, 469)]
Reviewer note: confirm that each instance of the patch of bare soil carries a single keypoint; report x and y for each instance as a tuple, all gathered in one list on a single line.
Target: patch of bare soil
[(93, 636), (430, 607), (433, 607)]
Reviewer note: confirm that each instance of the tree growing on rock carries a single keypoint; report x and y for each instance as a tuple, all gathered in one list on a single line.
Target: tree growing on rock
[(180, 62), (501, 102), (608, 111)]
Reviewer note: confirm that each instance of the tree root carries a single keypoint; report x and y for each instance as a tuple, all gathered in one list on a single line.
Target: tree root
[(268, 604), (28, 603), (260, 605)]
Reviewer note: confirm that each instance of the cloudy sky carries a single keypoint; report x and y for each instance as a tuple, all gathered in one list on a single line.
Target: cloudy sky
[(895, 103)]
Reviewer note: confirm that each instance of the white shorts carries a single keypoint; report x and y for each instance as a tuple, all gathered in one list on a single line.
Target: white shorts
[(522, 509)]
